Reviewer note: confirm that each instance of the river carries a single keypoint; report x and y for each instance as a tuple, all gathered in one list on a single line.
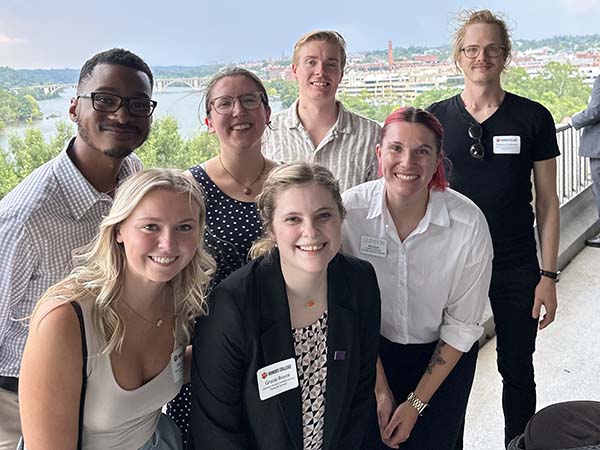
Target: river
[(182, 103)]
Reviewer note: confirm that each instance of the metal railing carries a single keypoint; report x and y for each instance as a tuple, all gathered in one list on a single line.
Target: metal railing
[(573, 171)]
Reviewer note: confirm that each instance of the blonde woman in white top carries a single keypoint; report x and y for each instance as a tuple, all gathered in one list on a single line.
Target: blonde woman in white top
[(140, 286)]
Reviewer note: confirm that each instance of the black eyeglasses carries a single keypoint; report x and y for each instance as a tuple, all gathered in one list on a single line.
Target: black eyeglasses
[(477, 151), (110, 103), (225, 103), (491, 51)]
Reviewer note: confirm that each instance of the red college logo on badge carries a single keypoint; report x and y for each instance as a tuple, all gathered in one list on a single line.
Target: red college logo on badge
[(263, 375)]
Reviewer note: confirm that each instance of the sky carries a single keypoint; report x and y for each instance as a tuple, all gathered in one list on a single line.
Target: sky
[(64, 33)]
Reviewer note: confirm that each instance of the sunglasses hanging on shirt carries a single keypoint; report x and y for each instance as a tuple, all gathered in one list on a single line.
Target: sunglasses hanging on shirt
[(477, 151), (475, 132)]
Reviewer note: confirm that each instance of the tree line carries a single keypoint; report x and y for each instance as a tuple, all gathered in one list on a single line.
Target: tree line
[(164, 148), (557, 86), (17, 108)]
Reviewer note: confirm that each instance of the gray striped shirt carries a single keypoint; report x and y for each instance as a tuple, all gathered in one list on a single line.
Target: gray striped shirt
[(52, 212), (348, 148)]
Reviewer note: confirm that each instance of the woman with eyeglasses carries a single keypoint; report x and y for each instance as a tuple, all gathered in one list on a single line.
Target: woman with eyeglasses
[(432, 253), (495, 141), (237, 111), (107, 345)]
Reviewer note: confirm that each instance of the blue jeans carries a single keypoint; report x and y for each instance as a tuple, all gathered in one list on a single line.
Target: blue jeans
[(166, 436), (511, 295)]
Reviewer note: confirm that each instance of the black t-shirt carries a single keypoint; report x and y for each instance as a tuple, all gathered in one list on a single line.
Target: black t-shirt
[(519, 133)]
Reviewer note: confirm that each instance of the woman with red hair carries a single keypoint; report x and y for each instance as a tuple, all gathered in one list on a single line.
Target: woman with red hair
[(432, 253)]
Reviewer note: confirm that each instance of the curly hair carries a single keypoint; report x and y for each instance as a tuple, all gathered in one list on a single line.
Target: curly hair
[(115, 57)]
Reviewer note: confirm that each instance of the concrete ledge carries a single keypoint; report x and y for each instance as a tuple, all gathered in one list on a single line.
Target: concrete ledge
[(578, 222)]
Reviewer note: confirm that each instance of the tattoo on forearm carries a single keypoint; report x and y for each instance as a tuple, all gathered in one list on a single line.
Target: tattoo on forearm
[(436, 358)]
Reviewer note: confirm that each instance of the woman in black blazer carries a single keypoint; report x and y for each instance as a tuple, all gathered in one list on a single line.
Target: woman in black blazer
[(286, 358)]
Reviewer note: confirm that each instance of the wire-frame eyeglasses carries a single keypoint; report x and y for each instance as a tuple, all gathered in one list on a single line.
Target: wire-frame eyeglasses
[(249, 101), (491, 51)]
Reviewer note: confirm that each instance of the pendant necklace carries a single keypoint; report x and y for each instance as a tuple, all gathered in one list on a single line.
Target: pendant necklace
[(247, 189), (158, 321)]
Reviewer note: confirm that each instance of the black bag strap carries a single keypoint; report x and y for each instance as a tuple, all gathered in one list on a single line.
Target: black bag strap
[(84, 353)]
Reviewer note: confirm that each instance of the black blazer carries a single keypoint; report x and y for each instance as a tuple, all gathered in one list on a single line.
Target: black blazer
[(249, 327)]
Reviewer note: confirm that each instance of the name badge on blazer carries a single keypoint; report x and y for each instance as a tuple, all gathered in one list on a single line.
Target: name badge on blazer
[(507, 145), (373, 246), (277, 378)]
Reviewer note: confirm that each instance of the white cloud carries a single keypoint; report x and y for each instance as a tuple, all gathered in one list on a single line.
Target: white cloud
[(581, 6), (7, 40)]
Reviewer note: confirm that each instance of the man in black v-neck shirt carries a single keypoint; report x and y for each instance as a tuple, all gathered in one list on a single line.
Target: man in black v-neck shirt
[(494, 139)]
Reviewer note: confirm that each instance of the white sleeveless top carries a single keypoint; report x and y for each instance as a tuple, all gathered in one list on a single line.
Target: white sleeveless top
[(115, 418)]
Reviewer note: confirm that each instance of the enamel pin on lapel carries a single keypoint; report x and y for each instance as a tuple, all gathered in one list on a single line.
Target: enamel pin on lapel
[(339, 355)]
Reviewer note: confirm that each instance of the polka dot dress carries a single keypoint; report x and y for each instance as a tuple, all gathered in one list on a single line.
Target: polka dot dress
[(310, 346), (231, 228)]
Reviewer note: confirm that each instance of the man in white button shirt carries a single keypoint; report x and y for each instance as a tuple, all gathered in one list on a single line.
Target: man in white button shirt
[(58, 207), (317, 127)]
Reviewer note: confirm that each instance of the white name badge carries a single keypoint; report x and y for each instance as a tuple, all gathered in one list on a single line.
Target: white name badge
[(507, 145), (373, 246), (277, 378), (177, 359)]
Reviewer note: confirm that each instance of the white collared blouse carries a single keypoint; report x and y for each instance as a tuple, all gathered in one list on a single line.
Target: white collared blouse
[(434, 284)]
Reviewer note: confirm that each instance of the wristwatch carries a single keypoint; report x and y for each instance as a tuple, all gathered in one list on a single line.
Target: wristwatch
[(417, 403), (554, 275)]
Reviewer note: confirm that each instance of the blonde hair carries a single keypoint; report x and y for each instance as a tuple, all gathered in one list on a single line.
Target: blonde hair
[(282, 178), (466, 18), (329, 36), (99, 274)]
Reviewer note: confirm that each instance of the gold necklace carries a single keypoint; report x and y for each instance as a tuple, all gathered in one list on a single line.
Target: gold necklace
[(247, 189), (159, 321)]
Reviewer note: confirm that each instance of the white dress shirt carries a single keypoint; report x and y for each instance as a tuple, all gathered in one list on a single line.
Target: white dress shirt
[(435, 284)]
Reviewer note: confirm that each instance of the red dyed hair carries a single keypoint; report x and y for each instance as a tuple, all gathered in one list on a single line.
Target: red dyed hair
[(414, 115)]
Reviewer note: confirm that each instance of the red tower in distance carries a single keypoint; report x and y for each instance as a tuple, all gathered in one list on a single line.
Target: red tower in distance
[(390, 55)]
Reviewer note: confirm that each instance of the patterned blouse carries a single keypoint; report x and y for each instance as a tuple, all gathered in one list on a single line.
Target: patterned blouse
[(310, 344)]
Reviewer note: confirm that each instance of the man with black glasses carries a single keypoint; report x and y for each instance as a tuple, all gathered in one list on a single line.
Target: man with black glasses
[(494, 140), (56, 210)]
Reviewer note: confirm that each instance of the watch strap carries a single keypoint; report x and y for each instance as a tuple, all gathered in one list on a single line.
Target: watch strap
[(549, 274), (417, 403)]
